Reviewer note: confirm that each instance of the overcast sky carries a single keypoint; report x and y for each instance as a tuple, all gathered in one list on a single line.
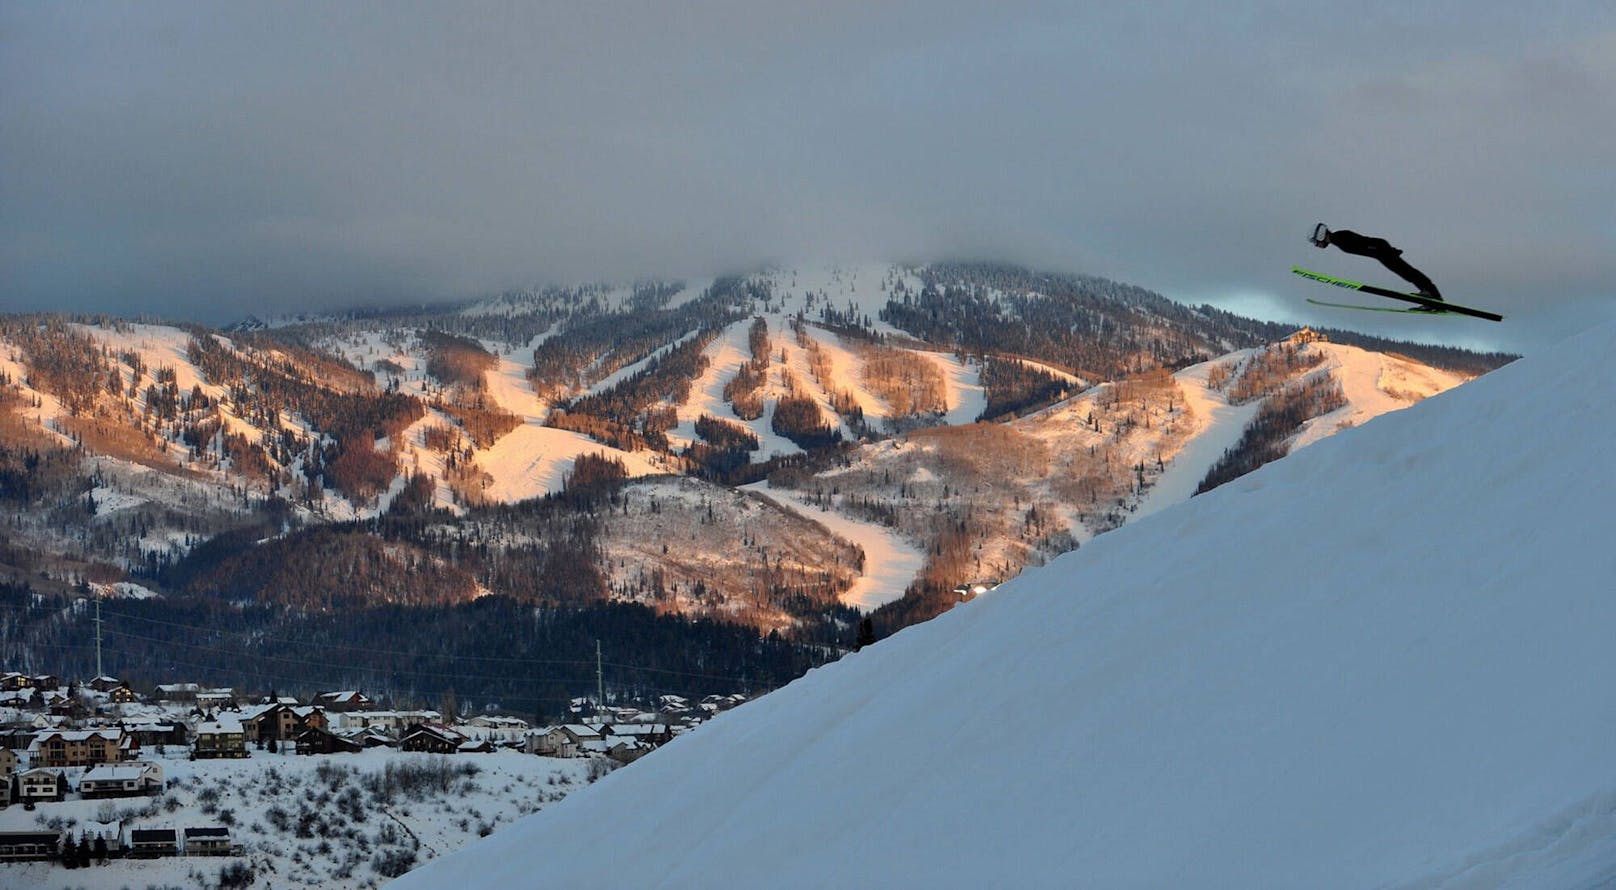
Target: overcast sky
[(215, 160)]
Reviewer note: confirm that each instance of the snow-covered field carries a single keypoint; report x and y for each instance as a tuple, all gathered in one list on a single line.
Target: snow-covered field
[(1380, 662), (360, 828)]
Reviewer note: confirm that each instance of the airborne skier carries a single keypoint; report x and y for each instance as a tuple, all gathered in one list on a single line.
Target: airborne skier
[(1378, 249)]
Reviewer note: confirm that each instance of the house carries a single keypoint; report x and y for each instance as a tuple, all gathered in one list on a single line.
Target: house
[(586, 732), (533, 740), (21, 699), (213, 841), (223, 737), (178, 693), (563, 741), (433, 738), (152, 734), (41, 784), (11, 681), (652, 734), (346, 700), (626, 750), (122, 695), (394, 723), (317, 740), (105, 683), (84, 747), (45, 681), (59, 704), (213, 699), (24, 846), (149, 843), (370, 737), (282, 722), (122, 780), (497, 729)]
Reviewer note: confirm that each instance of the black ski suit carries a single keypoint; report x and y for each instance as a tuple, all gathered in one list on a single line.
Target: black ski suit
[(1389, 256)]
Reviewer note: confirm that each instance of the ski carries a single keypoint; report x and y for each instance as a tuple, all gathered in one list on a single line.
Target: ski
[(1441, 305), (1378, 308)]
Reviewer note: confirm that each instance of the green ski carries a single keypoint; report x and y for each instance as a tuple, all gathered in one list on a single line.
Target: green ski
[(1379, 308), (1438, 305)]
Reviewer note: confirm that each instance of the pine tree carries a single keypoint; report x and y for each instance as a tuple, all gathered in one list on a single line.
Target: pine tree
[(70, 852)]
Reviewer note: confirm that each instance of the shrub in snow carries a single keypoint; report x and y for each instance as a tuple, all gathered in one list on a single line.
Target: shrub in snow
[(393, 862), (235, 874), (599, 767)]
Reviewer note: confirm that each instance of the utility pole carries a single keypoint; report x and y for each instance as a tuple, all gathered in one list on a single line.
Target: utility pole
[(98, 671), (600, 678)]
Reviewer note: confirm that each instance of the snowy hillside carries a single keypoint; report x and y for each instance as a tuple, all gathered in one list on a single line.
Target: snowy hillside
[(1382, 661), (1038, 486)]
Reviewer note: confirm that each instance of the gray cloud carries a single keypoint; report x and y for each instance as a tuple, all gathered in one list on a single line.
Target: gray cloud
[(208, 161)]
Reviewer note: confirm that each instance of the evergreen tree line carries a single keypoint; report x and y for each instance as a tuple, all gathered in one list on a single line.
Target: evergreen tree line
[(593, 346), (1014, 388), (491, 652)]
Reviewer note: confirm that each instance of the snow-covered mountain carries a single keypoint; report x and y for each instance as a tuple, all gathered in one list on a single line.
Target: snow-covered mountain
[(786, 451), (1383, 661), (194, 431)]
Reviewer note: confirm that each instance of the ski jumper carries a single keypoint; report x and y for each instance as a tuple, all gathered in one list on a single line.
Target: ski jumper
[(1389, 256)]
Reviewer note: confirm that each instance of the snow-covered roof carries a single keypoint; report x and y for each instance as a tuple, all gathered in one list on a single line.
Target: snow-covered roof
[(638, 729), (342, 696), (150, 726), (438, 730), (579, 730), (104, 772), (42, 771), (77, 735), (499, 722)]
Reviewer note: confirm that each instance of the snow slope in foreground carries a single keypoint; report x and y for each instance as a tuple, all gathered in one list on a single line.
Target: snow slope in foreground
[(1383, 661)]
